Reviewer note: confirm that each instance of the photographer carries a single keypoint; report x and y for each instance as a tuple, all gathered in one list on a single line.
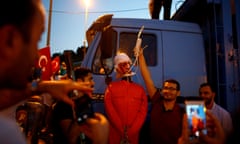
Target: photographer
[(21, 27), (66, 127)]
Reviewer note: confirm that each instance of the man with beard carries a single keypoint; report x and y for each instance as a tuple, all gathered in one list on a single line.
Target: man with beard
[(166, 115), (207, 92)]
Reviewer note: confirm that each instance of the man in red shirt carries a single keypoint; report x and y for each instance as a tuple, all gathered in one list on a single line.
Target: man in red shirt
[(166, 115)]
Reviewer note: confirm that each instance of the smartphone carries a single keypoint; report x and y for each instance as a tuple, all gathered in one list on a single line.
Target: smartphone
[(83, 106), (83, 109), (196, 115)]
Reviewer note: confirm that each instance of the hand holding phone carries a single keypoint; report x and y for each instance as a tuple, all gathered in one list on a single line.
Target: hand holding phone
[(83, 107), (196, 115)]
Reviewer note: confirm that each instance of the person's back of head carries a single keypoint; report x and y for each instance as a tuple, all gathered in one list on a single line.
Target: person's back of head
[(18, 13), (19, 31), (81, 72)]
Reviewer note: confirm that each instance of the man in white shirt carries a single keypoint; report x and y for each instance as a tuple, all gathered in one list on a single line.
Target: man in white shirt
[(207, 92)]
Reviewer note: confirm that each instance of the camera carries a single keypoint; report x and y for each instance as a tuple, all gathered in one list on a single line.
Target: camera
[(83, 107)]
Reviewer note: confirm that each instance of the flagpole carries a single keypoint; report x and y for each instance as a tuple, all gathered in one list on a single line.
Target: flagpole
[(49, 22)]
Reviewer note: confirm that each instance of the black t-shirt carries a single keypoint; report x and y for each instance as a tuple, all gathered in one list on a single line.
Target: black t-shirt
[(61, 111)]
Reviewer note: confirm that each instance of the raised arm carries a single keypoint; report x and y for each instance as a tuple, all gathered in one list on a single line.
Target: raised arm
[(146, 76)]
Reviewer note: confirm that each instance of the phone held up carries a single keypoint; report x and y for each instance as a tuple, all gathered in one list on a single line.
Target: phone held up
[(196, 115), (83, 107)]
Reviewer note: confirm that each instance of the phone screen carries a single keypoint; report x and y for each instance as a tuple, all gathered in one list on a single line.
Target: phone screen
[(196, 113)]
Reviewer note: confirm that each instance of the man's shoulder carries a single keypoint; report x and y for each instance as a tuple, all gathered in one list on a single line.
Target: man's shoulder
[(60, 106), (219, 108), (157, 97), (6, 122), (10, 128)]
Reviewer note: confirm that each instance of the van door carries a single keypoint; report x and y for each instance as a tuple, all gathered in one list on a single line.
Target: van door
[(183, 59)]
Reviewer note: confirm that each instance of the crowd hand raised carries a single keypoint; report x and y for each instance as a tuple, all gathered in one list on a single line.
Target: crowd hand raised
[(96, 128), (61, 88), (215, 131)]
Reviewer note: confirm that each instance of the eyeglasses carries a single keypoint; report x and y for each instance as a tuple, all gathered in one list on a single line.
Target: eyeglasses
[(169, 88)]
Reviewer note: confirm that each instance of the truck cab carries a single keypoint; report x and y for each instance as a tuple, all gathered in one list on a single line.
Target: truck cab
[(172, 49)]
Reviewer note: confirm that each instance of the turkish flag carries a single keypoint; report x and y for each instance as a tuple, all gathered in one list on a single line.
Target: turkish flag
[(44, 62), (55, 64)]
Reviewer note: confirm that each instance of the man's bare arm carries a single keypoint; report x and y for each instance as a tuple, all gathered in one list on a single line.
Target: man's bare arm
[(146, 75)]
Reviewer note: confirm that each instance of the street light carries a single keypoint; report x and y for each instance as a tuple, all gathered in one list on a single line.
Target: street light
[(87, 4)]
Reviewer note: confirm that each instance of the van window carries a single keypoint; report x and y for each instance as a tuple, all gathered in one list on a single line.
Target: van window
[(103, 60), (128, 41), (107, 48)]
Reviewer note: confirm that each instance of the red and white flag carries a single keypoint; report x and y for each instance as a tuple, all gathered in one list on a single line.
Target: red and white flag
[(55, 64), (44, 62)]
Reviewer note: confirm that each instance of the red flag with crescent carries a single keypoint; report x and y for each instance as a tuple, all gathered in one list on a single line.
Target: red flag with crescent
[(44, 62), (55, 64)]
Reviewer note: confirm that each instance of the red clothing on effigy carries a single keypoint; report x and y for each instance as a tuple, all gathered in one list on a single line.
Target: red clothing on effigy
[(126, 107)]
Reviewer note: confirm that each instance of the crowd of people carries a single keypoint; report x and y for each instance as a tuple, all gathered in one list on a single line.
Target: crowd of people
[(21, 26)]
